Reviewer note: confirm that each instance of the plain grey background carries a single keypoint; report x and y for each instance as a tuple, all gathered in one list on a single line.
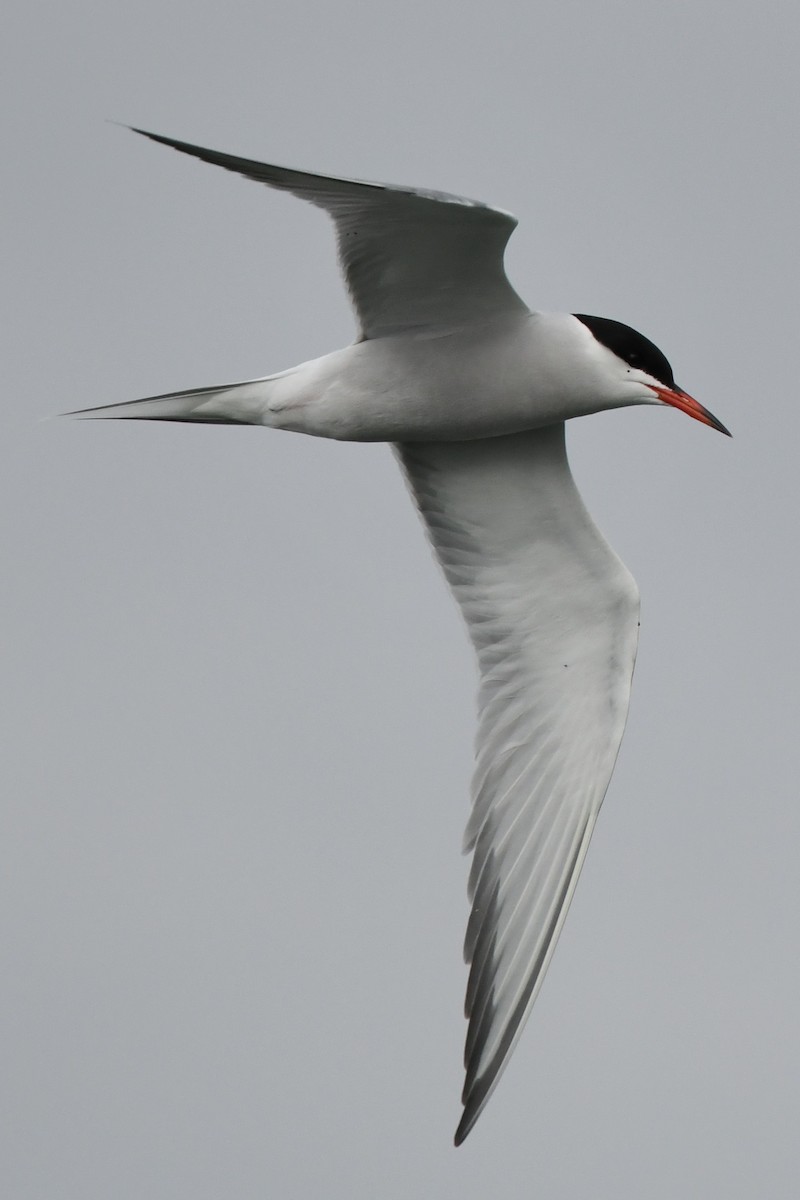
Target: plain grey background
[(238, 702)]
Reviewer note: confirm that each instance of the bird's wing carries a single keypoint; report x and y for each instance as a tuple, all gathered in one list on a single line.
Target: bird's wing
[(411, 258), (553, 616)]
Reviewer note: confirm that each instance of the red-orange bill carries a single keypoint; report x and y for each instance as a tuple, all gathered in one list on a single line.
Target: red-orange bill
[(693, 408)]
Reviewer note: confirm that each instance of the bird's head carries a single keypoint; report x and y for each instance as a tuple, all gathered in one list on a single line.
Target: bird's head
[(642, 365)]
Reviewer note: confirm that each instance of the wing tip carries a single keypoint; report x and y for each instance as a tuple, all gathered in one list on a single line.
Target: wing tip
[(473, 1107), (161, 138), (175, 143), (461, 1133)]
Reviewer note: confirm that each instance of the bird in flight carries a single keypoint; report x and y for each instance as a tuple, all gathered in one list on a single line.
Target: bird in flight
[(473, 389)]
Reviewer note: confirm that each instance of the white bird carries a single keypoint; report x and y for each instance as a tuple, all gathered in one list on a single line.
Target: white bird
[(474, 389)]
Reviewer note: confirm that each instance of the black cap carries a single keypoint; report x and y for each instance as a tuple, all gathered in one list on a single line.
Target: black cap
[(632, 347)]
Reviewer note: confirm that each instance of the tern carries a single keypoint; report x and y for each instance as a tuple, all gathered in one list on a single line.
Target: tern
[(473, 389)]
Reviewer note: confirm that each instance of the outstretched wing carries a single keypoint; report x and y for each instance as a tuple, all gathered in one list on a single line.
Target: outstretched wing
[(410, 258), (553, 616)]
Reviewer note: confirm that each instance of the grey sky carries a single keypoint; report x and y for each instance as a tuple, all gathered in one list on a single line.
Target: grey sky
[(239, 702)]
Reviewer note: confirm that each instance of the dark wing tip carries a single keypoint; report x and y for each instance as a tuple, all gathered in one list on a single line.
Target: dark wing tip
[(468, 1119), (156, 137), (217, 158), (477, 1091), (174, 143)]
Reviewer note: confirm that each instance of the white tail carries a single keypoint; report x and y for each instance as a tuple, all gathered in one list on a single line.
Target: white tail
[(230, 404)]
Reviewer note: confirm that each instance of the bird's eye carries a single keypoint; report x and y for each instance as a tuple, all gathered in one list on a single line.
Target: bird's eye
[(634, 349)]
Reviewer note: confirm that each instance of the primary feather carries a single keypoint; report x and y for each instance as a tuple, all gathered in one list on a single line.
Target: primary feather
[(553, 616)]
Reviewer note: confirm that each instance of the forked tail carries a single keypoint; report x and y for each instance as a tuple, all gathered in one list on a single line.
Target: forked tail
[(230, 404)]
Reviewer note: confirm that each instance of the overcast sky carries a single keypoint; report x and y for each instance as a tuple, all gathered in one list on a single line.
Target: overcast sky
[(238, 701)]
